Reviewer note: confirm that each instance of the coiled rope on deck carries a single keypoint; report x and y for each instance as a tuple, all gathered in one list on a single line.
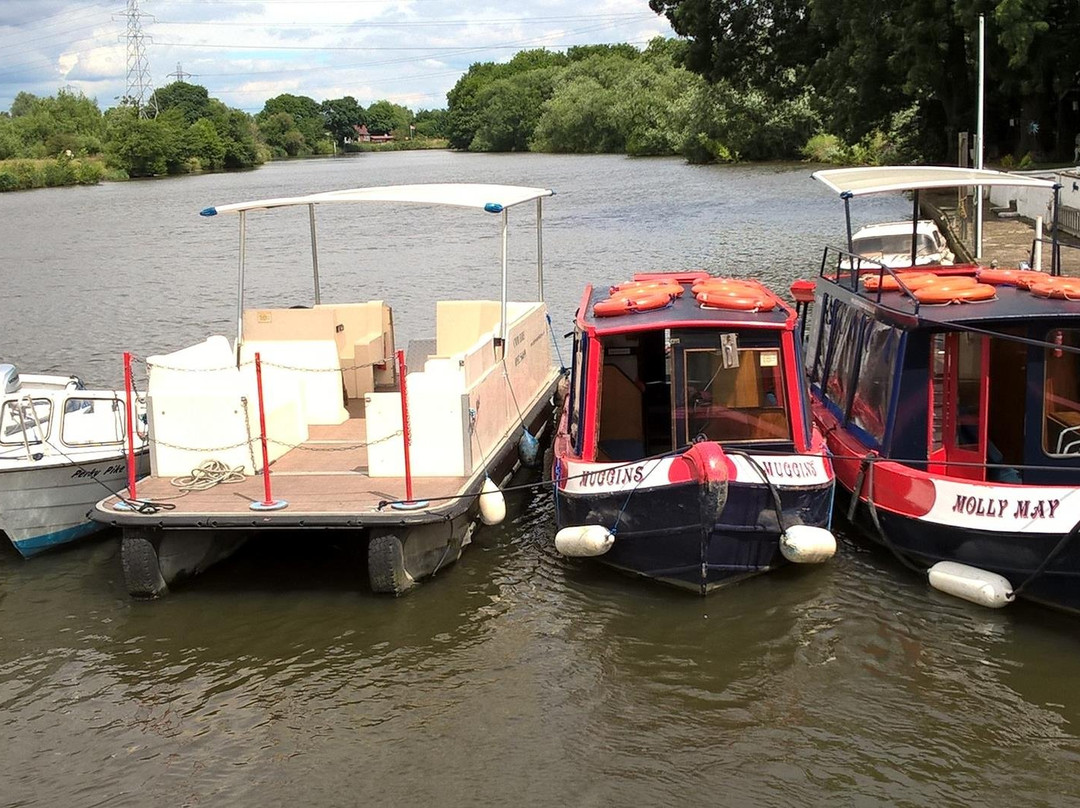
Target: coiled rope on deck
[(208, 474)]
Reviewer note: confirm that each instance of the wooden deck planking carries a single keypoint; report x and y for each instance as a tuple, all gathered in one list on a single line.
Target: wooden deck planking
[(326, 474)]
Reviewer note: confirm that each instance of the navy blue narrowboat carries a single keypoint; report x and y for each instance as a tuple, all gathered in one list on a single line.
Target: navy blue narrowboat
[(684, 450), (950, 400)]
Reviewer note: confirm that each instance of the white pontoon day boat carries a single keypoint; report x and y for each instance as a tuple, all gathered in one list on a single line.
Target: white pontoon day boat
[(319, 403), (61, 447)]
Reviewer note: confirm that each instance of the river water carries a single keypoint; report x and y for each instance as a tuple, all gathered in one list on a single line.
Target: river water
[(515, 677)]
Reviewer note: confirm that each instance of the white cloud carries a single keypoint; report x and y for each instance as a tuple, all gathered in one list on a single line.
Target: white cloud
[(408, 51)]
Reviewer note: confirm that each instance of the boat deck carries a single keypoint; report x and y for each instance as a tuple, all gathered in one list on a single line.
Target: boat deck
[(326, 477)]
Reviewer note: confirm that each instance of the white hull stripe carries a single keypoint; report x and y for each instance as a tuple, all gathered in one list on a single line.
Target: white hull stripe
[(787, 471), (1009, 509)]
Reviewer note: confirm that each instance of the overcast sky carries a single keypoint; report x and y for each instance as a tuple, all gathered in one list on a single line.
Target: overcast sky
[(245, 51)]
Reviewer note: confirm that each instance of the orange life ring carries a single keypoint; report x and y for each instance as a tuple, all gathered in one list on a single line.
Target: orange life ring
[(634, 287), (631, 303), (1011, 277), (891, 283), (727, 286), (749, 300), (949, 291), (1057, 287)]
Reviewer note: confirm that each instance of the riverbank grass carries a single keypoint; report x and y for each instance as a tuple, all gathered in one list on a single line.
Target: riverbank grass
[(21, 175)]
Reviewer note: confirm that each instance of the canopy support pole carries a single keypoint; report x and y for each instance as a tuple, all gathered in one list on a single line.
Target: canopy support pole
[(979, 139), (502, 315), (540, 249), (1055, 249), (240, 285), (314, 252), (915, 228)]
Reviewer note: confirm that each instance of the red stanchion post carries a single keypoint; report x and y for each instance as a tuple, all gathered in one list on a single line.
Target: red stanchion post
[(268, 503), (129, 388), (405, 423)]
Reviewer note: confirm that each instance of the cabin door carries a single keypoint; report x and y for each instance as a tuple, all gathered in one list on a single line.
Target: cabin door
[(959, 392)]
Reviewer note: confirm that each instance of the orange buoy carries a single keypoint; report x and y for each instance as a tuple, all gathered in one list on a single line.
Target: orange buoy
[(947, 290), (749, 300), (802, 290), (1057, 287), (891, 283), (1010, 277), (631, 303)]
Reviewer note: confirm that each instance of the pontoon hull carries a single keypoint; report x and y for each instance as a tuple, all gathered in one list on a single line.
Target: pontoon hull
[(659, 531), (403, 546)]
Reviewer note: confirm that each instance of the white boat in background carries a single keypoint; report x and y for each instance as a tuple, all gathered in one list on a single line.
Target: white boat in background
[(61, 448)]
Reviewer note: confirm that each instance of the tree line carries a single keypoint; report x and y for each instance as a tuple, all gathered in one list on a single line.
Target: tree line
[(843, 81), (864, 67), (67, 139)]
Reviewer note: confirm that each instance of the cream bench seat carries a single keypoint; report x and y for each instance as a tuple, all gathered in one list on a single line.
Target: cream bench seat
[(200, 407)]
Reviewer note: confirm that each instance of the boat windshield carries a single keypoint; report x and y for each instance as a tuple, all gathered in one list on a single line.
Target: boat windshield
[(25, 420), (734, 401), (895, 244)]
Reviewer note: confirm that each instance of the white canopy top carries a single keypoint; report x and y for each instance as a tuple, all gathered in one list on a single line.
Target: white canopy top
[(492, 198), (878, 179)]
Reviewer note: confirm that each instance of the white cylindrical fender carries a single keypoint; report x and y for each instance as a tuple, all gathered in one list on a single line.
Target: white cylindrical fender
[(807, 544), (972, 584), (492, 503), (584, 541)]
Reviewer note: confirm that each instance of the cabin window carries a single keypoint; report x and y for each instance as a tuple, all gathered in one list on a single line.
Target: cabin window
[(24, 421), (869, 408), (937, 392), (621, 427), (842, 351), (1061, 395), (735, 401), (969, 370), (577, 390), (93, 422), (819, 347)]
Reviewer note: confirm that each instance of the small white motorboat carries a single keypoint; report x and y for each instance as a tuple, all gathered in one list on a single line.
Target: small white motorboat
[(62, 447)]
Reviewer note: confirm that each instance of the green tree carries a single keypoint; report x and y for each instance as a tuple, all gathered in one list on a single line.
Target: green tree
[(509, 110), (341, 117), (761, 44), (192, 100), (143, 147), (431, 123), (203, 143), (463, 103), (281, 135), (384, 117), (307, 115)]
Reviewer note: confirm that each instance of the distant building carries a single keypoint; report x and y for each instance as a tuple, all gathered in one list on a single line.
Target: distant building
[(364, 136)]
